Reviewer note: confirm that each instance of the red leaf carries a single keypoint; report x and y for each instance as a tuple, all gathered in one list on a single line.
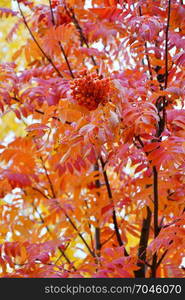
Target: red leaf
[(106, 208), (18, 180), (151, 146), (17, 112)]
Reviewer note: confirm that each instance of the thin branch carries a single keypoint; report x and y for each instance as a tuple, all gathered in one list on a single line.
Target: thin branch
[(52, 14), (41, 112), (60, 45), (76, 229), (156, 201), (116, 227), (66, 215), (48, 230), (89, 225), (66, 59), (143, 243), (161, 258), (106, 241), (39, 191), (97, 228), (83, 39), (48, 177), (146, 51), (37, 43), (166, 44)]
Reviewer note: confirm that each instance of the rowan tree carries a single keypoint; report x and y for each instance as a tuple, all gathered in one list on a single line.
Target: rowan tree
[(92, 180)]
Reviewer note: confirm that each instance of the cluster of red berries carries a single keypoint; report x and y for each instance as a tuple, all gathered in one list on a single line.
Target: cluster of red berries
[(90, 89)]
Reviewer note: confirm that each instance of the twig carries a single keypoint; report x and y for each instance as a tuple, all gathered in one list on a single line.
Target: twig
[(37, 43)]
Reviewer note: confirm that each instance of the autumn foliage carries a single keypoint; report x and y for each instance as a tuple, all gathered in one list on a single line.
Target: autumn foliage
[(94, 184)]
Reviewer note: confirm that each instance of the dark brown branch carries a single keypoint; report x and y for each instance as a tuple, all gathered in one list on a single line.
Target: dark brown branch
[(156, 225), (156, 201), (143, 243), (97, 228), (37, 43), (48, 177), (52, 14), (161, 258), (66, 60), (154, 266), (97, 240)]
